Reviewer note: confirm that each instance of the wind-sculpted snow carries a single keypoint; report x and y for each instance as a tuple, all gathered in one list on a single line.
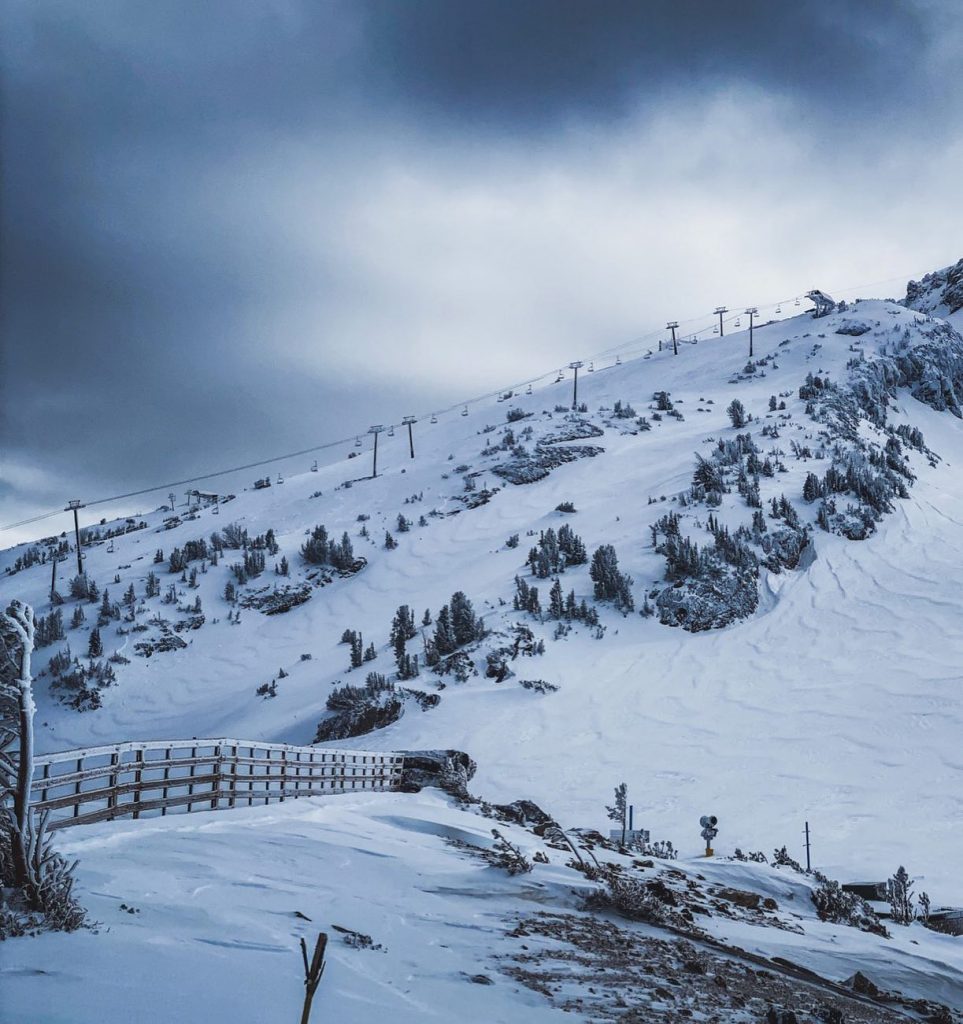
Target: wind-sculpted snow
[(836, 700)]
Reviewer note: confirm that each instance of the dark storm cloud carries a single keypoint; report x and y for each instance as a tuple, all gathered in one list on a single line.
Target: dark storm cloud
[(221, 222), (536, 60)]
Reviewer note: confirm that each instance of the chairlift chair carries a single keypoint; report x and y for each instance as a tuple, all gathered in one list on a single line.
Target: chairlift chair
[(314, 466), (591, 368), (797, 302), (528, 390), (391, 430), (464, 411), (715, 330), (778, 309), (280, 479), (357, 442), (434, 418), (618, 360), (738, 322)]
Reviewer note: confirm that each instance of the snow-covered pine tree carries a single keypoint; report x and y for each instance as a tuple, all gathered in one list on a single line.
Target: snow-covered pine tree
[(619, 812)]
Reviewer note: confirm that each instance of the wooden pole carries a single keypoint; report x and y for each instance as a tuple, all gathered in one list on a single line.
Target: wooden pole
[(312, 973)]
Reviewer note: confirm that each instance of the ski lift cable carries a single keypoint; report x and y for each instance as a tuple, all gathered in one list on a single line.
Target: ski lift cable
[(623, 349)]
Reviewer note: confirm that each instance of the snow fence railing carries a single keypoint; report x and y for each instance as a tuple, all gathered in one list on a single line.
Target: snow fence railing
[(139, 779)]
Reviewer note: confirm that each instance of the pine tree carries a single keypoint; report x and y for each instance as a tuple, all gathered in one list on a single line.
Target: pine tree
[(899, 893), (78, 617), (737, 413), (464, 622), (230, 592), (152, 586), (619, 813), (95, 647), (444, 640), (390, 542), (285, 568), (357, 651), (556, 606), (370, 653), (426, 618)]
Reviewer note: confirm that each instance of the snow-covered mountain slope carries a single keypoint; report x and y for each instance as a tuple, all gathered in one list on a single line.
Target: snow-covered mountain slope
[(836, 701), (199, 920)]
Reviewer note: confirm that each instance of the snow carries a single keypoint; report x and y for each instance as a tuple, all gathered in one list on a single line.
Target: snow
[(217, 899), (839, 703)]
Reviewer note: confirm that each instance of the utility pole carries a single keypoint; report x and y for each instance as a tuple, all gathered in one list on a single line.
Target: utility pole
[(53, 578), (408, 421), (671, 326), (809, 866), (376, 430), (719, 310), (170, 498), (74, 506), (574, 366), (751, 313)]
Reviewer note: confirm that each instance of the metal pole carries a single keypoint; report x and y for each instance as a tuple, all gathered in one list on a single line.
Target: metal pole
[(574, 366), (53, 579), (719, 311), (672, 325), (408, 420), (751, 312), (376, 430), (808, 860), (74, 506)]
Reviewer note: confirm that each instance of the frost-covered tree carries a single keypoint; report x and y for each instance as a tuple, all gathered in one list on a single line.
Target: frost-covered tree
[(444, 639), (737, 413), (899, 895), (31, 872), (464, 622), (619, 811), (610, 583), (95, 647)]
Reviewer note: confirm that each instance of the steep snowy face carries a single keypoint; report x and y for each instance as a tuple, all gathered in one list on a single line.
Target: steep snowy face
[(939, 293)]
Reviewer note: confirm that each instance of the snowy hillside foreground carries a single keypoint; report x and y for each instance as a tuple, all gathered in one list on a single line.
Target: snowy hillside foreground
[(199, 919), (832, 695)]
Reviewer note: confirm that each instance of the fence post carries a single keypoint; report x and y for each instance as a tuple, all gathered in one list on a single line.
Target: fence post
[(167, 775), (80, 768), (232, 791), (112, 780), (216, 784), (138, 775), (284, 773), (190, 785)]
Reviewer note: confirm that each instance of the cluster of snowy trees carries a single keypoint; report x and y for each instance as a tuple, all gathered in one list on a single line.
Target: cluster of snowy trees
[(610, 583), (319, 549), (554, 552)]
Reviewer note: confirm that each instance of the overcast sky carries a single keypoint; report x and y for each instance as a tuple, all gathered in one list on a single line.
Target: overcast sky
[(231, 229)]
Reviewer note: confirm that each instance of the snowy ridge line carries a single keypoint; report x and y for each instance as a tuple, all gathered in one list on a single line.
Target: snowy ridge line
[(632, 349), (99, 784)]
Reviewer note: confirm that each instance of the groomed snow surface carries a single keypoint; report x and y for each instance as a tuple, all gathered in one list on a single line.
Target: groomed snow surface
[(839, 703)]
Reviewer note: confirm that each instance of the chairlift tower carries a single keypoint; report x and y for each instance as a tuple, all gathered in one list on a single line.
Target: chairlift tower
[(718, 311), (751, 312), (575, 366), (376, 430), (672, 326), (74, 505), (408, 421)]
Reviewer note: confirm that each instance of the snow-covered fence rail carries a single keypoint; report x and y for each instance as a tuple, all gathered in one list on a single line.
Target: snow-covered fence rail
[(78, 787)]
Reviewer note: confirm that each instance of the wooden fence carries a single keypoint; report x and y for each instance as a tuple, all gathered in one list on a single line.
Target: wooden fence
[(136, 779)]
